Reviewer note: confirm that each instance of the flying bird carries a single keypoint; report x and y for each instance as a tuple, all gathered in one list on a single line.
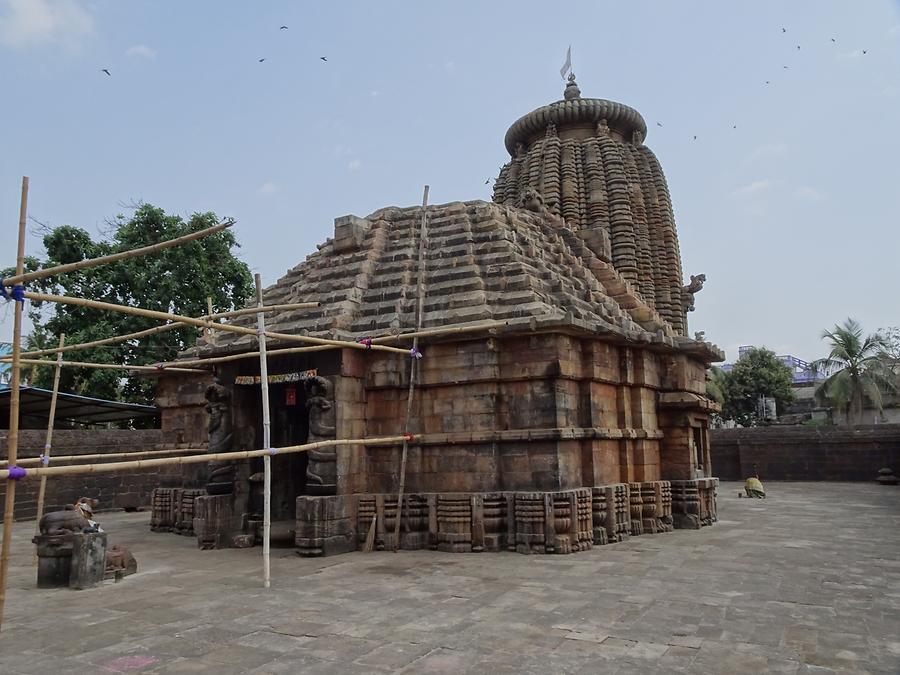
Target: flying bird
[(798, 48), (784, 30), (283, 28), (734, 126), (767, 82), (833, 40), (104, 70), (864, 51), (261, 60), (323, 58), (695, 138), (785, 67), (487, 181), (658, 124)]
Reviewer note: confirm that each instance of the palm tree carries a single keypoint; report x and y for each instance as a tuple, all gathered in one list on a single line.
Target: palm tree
[(859, 370)]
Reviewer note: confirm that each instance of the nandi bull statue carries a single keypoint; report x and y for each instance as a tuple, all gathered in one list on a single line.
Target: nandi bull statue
[(75, 518)]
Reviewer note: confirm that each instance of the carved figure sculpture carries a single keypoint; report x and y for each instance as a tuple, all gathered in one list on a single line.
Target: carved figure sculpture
[(218, 407), (119, 560), (691, 289), (74, 519), (321, 472), (533, 201)]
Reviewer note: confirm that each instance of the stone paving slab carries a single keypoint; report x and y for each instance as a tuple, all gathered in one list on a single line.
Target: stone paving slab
[(807, 581)]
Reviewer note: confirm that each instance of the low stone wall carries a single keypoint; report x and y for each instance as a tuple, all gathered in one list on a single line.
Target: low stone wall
[(806, 453), (114, 490)]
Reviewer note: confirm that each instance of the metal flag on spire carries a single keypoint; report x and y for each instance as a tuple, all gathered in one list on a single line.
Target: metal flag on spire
[(567, 66)]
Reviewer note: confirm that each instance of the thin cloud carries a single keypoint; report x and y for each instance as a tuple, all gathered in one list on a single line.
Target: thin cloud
[(809, 193), (267, 188), (354, 164), (754, 188), (768, 151), (28, 23), (341, 150), (143, 51)]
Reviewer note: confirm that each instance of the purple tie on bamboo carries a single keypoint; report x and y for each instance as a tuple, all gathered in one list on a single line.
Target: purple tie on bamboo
[(16, 473)]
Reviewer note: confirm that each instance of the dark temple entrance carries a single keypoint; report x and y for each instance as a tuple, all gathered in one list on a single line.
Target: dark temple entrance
[(290, 426)]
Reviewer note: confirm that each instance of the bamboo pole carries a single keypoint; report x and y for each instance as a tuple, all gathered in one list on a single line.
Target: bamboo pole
[(434, 332), (246, 355), (207, 332), (163, 329), (420, 313), (21, 278), (48, 443), (106, 366), (228, 328), (267, 433), (440, 332), (138, 464), (105, 455), (13, 438)]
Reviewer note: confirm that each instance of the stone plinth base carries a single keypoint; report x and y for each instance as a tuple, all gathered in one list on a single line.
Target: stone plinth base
[(172, 509), (462, 522), (694, 503), (325, 526), (74, 560), (215, 523)]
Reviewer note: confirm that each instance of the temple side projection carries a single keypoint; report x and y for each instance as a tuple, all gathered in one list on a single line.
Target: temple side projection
[(569, 410)]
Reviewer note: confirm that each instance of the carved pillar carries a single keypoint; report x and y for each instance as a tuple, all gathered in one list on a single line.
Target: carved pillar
[(321, 472), (218, 407)]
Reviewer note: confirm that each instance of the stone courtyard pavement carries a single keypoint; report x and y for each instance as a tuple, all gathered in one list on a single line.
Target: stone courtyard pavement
[(807, 581)]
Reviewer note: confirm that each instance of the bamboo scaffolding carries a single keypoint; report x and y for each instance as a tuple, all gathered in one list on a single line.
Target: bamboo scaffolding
[(22, 278), (267, 433), (105, 455), (163, 329), (48, 443), (138, 464), (107, 366), (228, 328), (420, 314), (13, 438), (440, 332), (433, 332)]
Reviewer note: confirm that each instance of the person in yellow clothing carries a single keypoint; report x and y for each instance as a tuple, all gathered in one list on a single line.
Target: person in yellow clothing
[(754, 488)]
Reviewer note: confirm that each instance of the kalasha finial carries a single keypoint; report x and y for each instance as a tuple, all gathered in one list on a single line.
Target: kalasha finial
[(572, 91)]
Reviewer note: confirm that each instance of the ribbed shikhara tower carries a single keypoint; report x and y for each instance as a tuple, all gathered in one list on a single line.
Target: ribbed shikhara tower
[(584, 160)]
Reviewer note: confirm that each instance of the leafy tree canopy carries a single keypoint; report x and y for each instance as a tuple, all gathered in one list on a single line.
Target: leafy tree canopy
[(757, 373), (176, 280)]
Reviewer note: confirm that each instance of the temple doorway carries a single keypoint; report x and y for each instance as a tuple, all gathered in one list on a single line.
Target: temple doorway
[(289, 426)]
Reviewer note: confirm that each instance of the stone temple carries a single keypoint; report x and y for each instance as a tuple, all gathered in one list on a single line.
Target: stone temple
[(568, 411)]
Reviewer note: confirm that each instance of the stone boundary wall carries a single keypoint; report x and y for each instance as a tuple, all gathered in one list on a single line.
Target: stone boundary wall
[(806, 453), (114, 490)]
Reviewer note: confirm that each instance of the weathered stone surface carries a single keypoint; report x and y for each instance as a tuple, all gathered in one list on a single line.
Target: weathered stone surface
[(772, 588)]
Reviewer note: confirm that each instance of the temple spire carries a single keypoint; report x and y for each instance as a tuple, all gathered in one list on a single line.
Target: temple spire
[(572, 91)]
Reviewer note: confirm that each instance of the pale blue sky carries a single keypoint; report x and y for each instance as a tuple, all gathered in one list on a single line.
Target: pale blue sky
[(793, 215)]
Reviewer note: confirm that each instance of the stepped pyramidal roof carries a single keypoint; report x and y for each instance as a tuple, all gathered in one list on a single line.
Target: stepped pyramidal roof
[(580, 233)]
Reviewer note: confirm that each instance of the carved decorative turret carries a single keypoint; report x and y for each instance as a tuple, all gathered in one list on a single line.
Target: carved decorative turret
[(587, 159)]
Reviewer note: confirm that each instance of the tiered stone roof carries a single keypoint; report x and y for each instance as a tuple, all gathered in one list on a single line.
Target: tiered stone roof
[(587, 160), (484, 262)]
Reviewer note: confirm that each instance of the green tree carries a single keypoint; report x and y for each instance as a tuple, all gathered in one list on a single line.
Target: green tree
[(757, 373), (860, 370), (176, 280)]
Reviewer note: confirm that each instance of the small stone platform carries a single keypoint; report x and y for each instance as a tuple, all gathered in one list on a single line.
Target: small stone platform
[(806, 581)]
